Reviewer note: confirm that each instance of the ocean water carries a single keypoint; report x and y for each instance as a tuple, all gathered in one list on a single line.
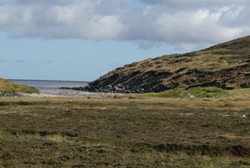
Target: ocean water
[(49, 84)]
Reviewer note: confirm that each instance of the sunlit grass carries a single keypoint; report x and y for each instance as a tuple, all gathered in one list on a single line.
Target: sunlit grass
[(200, 92), (9, 87)]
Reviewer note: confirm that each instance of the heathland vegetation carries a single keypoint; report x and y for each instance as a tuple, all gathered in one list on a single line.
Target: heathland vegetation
[(226, 65), (127, 131)]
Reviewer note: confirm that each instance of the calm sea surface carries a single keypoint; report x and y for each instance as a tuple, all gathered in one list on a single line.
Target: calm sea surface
[(49, 84)]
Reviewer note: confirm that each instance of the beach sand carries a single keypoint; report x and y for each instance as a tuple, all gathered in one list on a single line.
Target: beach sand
[(69, 93)]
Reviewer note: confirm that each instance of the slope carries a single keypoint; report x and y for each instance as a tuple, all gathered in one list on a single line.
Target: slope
[(226, 65), (8, 87)]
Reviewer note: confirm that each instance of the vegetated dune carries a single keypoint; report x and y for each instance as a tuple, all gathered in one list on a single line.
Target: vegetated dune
[(226, 65), (8, 87)]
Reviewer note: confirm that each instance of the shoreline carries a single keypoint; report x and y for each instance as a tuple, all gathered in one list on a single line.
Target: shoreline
[(69, 93)]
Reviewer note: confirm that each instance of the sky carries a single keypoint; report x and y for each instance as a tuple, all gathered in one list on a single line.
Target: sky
[(81, 40)]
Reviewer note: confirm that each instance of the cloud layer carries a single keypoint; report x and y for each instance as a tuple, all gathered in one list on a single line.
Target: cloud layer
[(187, 24)]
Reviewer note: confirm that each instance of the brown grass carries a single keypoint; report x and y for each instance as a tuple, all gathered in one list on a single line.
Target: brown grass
[(124, 132)]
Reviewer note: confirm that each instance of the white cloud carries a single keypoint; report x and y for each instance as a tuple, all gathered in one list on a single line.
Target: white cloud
[(195, 3), (186, 24), (200, 26), (104, 27)]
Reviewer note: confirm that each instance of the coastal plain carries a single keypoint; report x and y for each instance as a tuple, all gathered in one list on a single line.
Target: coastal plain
[(126, 131)]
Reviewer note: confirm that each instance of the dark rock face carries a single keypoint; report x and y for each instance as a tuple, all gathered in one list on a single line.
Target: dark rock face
[(227, 78), (107, 89)]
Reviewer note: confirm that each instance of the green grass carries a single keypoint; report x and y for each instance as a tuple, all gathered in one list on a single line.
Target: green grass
[(9, 87), (200, 92), (151, 132)]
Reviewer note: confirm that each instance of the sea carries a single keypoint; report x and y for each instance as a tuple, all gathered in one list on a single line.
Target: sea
[(49, 84)]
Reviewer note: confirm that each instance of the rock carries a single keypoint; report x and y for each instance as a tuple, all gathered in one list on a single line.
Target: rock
[(191, 95), (108, 87)]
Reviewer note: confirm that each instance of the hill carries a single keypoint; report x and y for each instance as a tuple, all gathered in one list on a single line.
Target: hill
[(225, 65), (8, 87)]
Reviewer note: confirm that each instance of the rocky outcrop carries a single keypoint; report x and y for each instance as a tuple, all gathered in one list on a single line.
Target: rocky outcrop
[(108, 89)]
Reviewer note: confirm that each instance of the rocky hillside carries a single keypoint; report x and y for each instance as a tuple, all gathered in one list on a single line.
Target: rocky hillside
[(226, 65)]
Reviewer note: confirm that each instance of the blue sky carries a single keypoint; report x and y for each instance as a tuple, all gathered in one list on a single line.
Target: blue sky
[(82, 40), (68, 59)]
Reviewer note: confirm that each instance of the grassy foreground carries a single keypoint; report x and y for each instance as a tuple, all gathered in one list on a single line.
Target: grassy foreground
[(125, 132)]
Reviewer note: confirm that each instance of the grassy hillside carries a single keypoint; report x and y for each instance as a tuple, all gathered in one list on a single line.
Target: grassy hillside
[(226, 65), (9, 87)]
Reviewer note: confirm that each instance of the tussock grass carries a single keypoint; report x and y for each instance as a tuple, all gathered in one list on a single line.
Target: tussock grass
[(56, 138), (199, 92), (148, 132), (9, 87)]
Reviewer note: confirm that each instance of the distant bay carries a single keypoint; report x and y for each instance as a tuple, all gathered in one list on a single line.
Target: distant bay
[(49, 84)]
